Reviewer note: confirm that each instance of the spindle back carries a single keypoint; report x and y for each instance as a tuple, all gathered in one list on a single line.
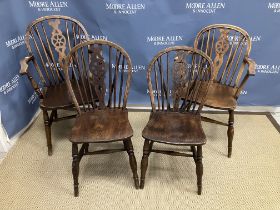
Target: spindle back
[(48, 40), (102, 72), (227, 46), (178, 79)]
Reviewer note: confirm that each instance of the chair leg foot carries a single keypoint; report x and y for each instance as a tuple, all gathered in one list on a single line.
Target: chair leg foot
[(75, 168), (50, 151), (48, 131), (132, 161), (144, 162), (199, 169), (230, 132)]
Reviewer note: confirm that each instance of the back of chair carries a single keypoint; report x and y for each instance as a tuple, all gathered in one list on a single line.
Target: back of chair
[(178, 79), (48, 40), (102, 73), (227, 46)]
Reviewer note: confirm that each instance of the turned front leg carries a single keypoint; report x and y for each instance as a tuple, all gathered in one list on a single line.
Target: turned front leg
[(199, 169), (132, 161), (75, 168), (144, 162)]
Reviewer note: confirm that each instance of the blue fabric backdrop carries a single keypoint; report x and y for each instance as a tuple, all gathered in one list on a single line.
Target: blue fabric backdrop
[(142, 27)]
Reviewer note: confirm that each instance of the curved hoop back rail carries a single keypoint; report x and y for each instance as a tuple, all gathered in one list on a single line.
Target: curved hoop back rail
[(102, 72), (48, 40), (228, 46), (178, 79)]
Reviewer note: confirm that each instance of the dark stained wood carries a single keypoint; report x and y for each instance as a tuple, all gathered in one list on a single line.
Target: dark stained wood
[(132, 161), (104, 119), (231, 47), (58, 96), (175, 117), (48, 39), (75, 168), (230, 131), (174, 128), (101, 126), (199, 169), (221, 96), (144, 162)]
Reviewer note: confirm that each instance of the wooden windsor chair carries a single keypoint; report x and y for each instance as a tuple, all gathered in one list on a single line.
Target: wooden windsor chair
[(173, 120), (104, 68), (229, 47), (48, 39)]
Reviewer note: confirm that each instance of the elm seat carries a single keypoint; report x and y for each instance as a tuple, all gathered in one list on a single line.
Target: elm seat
[(221, 96), (174, 128), (101, 126), (58, 96)]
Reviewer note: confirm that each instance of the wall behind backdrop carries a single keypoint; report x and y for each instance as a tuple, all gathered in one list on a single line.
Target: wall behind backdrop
[(142, 28)]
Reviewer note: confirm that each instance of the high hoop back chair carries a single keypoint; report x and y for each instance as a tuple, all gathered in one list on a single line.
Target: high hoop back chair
[(178, 80), (48, 40), (104, 68), (229, 47)]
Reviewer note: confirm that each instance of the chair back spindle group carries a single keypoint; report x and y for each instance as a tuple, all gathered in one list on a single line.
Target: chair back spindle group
[(48, 40), (178, 79), (227, 46), (99, 67)]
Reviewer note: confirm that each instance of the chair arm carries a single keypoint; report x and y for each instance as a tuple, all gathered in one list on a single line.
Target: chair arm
[(251, 66), (251, 72), (24, 71), (24, 64)]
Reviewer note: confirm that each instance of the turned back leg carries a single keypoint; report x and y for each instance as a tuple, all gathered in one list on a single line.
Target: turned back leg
[(230, 131)]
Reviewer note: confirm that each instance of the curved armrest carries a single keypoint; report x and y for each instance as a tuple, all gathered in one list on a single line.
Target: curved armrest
[(24, 64), (252, 66), (251, 72), (24, 71)]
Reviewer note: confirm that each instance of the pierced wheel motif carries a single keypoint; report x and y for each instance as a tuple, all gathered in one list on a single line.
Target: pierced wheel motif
[(58, 40), (222, 46)]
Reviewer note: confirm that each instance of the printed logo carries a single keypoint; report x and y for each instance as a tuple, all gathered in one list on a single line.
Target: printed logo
[(125, 9), (158, 93), (243, 92), (268, 69), (15, 42), (274, 6), (164, 40), (93, 36), (45, 6), (135, 68), (32, 98), (10, 85), (205, 8), (235, 39)]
